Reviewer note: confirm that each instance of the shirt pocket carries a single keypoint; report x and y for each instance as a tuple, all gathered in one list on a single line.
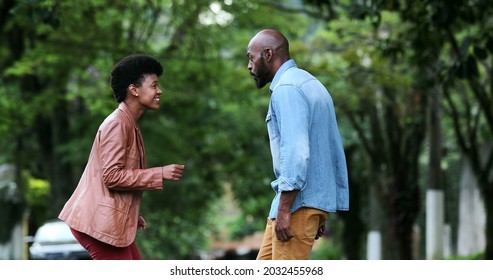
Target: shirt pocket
[(270, 120)]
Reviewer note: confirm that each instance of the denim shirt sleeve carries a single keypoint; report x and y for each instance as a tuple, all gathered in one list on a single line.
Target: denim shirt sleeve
[(292, 114)]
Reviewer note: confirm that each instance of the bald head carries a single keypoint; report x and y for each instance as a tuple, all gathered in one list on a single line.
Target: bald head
[(266, 52), (271, 39)]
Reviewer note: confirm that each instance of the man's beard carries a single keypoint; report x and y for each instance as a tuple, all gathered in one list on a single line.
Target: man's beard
[(262, 77)]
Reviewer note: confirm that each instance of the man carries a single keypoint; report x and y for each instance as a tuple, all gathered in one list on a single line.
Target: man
[(307, 151)]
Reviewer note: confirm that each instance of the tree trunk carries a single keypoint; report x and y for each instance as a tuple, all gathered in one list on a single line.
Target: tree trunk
[(488, 197), (54, 133), (435, 197), (353, 224), (404, 212)]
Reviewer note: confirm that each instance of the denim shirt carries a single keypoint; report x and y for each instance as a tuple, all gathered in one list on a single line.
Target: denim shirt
[(306, 147)]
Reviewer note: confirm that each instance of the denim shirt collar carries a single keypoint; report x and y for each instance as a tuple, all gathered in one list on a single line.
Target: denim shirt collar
[(285, 66)]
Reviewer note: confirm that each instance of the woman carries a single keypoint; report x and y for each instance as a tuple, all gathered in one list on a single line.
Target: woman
[(103, 211)]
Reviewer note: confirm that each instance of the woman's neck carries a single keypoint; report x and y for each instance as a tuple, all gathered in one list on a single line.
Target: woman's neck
[(135, 109)]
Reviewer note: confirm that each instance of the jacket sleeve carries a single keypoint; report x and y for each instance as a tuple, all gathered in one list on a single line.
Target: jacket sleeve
[(120, 160)]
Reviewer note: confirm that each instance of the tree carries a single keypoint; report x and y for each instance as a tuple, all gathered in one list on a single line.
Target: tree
[(387, 110), (460, 38)]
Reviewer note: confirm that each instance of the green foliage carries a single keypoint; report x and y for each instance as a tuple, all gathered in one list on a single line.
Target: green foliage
[(242, 227), (477, 256), (329, 247), (37, 199), (55, 59), (447, 46), (173, 233), (38, 192)]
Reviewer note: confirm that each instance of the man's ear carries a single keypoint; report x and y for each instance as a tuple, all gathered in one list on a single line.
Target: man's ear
[(268, 54)]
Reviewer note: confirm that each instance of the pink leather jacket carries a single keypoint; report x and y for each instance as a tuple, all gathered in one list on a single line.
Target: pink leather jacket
[(106, 202)]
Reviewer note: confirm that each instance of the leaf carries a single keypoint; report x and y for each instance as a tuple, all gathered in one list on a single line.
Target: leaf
[(480, 53), (472, 67)]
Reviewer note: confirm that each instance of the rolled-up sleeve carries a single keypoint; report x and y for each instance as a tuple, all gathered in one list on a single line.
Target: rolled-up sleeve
[(292, 114)]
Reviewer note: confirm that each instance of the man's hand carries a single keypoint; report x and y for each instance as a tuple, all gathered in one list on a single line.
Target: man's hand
[(283, 219), (320, 231), (283, 222)]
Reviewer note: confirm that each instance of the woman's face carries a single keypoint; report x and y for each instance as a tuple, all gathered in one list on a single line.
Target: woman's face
[(149, 92)]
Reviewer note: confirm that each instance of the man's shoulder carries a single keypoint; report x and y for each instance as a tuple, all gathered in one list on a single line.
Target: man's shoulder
[(294, 77), (295, 74)]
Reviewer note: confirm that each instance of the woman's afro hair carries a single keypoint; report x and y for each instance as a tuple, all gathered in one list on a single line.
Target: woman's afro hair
[(131, 70)]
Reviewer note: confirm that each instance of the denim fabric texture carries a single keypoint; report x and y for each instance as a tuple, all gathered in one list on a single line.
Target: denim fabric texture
[(306, 146)]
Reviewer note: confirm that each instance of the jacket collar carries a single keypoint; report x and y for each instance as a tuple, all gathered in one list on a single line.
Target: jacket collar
[(125, 109)]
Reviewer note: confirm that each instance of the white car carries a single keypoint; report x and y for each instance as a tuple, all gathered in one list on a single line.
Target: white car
[(54, 241)]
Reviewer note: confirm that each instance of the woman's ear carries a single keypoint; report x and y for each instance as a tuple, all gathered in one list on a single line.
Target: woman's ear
[(132, 89)]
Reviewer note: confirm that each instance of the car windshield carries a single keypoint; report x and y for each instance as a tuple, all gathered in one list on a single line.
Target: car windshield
[(56, 232)]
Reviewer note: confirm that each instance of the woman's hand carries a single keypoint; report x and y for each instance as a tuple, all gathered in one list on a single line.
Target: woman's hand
[(173, 172)]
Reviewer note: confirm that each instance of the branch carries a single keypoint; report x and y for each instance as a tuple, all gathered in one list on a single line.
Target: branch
[(454, 113), (360, 132), (484, 101), (331, 14), (489, 166)]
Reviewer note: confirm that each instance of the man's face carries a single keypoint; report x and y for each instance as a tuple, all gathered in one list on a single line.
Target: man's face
[(257, 67)]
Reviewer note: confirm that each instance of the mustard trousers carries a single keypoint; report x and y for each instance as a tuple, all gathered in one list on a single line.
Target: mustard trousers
[(304, 225)]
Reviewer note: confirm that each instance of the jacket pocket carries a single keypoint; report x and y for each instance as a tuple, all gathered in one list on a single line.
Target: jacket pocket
[(110, 217)]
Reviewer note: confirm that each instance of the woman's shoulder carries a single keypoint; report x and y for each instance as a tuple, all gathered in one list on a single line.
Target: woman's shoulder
[(116, 119)]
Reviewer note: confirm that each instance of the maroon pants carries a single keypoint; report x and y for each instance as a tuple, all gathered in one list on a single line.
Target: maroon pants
[(103, 251)]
